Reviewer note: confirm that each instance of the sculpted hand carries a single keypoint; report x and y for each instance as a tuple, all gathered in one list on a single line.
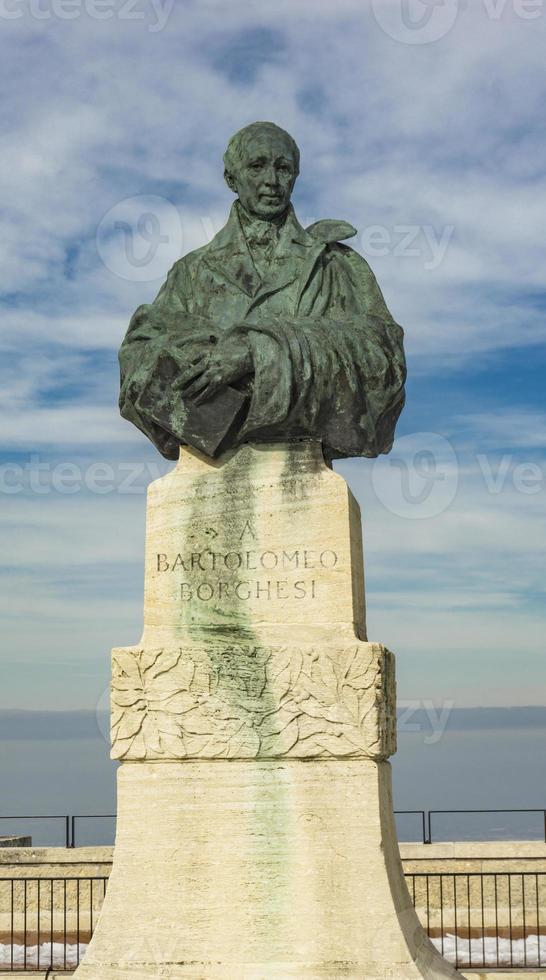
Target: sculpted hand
[(215, 368)]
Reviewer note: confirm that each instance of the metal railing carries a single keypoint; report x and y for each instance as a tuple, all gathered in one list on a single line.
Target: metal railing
[(416, 813), (426, 820), (485, 920), (87, 816), (432, 813), (64, 817), (46, 923), (481, 920), (68, 821)]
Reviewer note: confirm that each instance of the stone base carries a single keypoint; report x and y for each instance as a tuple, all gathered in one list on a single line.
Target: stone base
[(258, 870), (255, 831)]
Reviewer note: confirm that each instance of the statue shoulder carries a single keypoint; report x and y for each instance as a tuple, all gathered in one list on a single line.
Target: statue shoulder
[(340, 252), (350, 263), (331, 231), (333, 234), (182, 272), (187, 262)]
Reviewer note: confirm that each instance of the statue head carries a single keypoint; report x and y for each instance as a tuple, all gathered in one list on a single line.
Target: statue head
[(262, 162)]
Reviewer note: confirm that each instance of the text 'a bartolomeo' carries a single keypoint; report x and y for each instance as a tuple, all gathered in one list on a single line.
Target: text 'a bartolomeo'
[(234, 561)]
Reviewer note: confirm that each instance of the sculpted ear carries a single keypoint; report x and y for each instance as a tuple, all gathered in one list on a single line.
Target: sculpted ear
[(230, 181)]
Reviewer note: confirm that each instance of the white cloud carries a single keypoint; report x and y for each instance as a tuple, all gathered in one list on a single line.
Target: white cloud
[(516, 427), (434, 136), (76, 425)]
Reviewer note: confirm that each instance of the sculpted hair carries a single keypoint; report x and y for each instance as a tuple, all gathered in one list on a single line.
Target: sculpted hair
[(233, 157)]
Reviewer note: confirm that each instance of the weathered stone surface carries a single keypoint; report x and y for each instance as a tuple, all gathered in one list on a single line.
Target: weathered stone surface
[(238, 701), (519, 857), (245, 871), (267, 540), (255, 832), (254, 568), (487, 975)]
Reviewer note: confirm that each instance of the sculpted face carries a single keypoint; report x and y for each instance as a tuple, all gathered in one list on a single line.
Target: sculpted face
[(267, 174)]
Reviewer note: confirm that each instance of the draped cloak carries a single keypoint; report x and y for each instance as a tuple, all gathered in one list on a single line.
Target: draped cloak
[(328, 358)]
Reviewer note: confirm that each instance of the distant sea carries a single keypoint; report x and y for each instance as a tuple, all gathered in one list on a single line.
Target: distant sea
[(58, 763)]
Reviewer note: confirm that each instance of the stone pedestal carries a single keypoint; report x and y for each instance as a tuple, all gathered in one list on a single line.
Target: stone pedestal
[(255, 829)]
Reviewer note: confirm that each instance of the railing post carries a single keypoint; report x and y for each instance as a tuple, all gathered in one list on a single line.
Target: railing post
[(429, 822), (67, 830), (73, 844)]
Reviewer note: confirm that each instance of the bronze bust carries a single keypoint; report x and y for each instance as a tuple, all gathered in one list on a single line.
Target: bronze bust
[(272, 332)]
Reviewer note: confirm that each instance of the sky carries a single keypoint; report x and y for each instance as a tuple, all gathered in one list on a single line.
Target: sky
[(421, 123)]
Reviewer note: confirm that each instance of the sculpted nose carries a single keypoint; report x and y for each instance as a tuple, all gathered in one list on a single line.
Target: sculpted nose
[(270, 176)]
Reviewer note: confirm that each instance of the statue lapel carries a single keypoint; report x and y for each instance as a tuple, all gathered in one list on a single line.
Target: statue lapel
[(296, 255), (228, 256), (295, 259)]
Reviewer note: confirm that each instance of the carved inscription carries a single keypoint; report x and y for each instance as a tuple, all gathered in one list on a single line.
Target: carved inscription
[(247, 575), (247, 560)]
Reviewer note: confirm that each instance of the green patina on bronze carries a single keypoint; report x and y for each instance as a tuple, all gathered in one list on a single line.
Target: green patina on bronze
[(271, 332)]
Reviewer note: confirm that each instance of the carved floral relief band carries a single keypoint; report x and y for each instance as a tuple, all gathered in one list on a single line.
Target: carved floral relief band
[(253, 702)]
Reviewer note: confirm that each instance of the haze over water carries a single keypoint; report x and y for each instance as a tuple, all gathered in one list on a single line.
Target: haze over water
[(480, 768)]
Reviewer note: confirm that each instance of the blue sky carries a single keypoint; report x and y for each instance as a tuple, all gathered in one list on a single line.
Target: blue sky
[(423, 126)]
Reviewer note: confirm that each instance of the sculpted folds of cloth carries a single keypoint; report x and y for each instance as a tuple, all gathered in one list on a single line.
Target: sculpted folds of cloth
[(271, 332)]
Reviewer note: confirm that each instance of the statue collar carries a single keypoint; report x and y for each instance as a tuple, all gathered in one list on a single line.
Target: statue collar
[(232, 232), (256, 230), (297, 250)]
